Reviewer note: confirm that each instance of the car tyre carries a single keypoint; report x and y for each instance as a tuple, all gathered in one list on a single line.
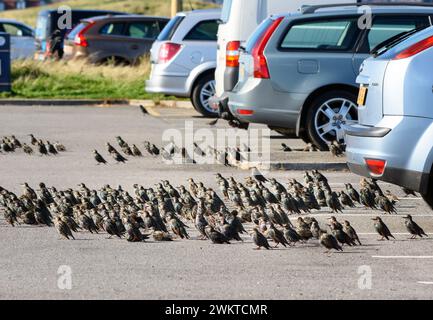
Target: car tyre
[(330, 113), (203, 90)]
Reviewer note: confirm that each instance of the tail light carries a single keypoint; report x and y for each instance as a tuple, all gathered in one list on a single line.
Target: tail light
[(167, 51), (260, 64), (80, 39), (245, 112), (376, 166), (415, 48), (232, 54)]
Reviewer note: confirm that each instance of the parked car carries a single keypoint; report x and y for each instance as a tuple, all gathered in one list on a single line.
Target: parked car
[(122, 39), (183, 58), (233, 33), (393, 141), (48, 22), (22, 38), (298, 71)]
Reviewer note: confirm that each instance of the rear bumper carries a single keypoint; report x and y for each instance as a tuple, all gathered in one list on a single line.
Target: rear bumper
[(399, 141), (167, 84), (413, 180), (265, 105)]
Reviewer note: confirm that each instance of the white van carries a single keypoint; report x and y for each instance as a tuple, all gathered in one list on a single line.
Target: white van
[(239, 18)]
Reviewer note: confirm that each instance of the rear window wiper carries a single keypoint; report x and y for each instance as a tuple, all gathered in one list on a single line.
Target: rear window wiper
[(389, 43)]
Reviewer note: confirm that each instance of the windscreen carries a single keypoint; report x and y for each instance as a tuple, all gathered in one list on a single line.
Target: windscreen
[(225, 13), (257, 34)]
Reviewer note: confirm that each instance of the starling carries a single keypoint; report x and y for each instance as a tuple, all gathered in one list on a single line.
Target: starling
[(33, 140), (384, 203), (27, 149), (216, 236), (382, 229), (333, 202), (329, 242), (99, 159), (135, 151), (59, 147), (63, 229), (413, 228), (277, 236), (41, 148), (178, 228), (290, 234), (408, 192), (118, 157), (10, 217), (127, 150), (111, 149), (286, 148), (346, 200), (111, 227), (350, 231), (143, 110), (51, 148), (353, 194), (392, 197), (161, 236), (258, 175), (260, 240), (87, 223)]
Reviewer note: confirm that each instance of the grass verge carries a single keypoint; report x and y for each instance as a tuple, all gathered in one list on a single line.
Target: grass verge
[(78, 80)]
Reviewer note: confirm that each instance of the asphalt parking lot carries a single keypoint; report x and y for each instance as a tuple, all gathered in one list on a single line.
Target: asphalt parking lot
[(30, 257)]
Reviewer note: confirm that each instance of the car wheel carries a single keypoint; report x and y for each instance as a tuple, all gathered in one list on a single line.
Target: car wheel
[(201, 94), (329, 115)]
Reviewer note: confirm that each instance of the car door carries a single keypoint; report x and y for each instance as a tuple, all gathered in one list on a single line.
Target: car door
[(22, 40), (141, 36), (313, 52), (384, 27)]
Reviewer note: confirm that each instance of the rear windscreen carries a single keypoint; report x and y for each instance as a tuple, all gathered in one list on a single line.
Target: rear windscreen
[(77, 30), (171, 27), (257, 34)]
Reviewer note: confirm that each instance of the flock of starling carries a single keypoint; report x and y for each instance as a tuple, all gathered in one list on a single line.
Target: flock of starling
[(335, 148), (230, 156), (12, 144), (165, 212)]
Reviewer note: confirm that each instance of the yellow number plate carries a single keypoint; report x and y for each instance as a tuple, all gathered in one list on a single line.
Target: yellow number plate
[(362, 95)]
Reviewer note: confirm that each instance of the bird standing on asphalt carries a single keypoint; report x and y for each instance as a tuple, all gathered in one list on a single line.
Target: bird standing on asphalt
[(413, 228), (118, 157), (329, 242), (382, 229), (27, 149), (63, 229), (285, 148), (260, 240), (350, 231), (41, 148), (99, 159), (51, 149)]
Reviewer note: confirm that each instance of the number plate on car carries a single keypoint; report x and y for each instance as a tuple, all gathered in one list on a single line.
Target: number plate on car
[(362, 95)]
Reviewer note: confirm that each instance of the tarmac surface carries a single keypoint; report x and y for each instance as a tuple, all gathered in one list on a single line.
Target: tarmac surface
[(101, 268)]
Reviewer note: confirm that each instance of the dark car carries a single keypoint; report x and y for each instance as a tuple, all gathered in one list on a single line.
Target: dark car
[(48, 22), (121, 39)]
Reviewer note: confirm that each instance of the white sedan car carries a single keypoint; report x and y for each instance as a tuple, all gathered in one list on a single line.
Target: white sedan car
[(22, 38)]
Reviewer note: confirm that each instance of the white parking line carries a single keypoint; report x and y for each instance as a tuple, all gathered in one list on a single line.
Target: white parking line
[(425, 282), (403, 257)]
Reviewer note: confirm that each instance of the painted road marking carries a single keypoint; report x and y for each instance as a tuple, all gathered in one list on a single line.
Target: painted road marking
[(425, 282), (403, 257)]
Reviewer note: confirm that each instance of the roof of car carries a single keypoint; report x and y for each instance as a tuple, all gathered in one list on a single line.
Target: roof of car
[(353, 9), (14, 21), (201, 12), (123, 17)]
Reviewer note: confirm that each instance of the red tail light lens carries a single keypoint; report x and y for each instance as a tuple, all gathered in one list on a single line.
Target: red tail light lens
[(167, 51), (245, 112), (232, 54), (80, 39), (376, 166), (260, 64), (415, 48)]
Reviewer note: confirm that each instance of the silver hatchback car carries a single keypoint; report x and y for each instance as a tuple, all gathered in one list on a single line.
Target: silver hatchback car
[(297, 72), (394, 138), (183, 58)]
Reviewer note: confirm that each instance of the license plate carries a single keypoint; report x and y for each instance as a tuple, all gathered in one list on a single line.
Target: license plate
[(362, 95)]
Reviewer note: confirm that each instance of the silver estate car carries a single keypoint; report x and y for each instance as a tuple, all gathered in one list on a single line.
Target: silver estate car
[(183, 58), (298, 71), (394, 138)]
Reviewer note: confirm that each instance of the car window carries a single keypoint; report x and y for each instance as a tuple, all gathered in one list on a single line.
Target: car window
[(384, 28), (145, 29), (226, 10), (203, 31), (170, 28), (113, 29), (331, 34), (17, 30)]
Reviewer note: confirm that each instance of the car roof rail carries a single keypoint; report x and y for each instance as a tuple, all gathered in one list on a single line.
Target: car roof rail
[(306, 9)]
